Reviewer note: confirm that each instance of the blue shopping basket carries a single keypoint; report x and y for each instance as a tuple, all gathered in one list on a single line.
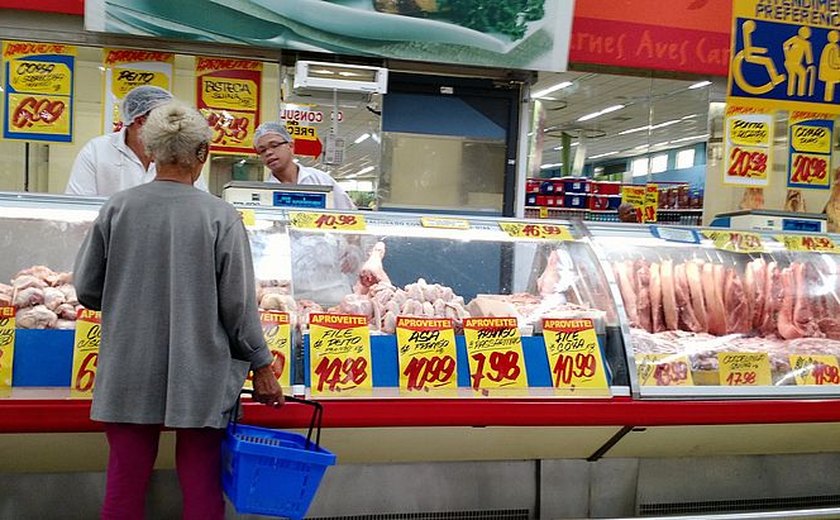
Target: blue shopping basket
[(271, 472)]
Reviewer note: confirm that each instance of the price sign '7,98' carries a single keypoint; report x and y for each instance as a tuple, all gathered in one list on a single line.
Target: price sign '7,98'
[(574, 355), (340, 357), (494, 352), (85, 352)]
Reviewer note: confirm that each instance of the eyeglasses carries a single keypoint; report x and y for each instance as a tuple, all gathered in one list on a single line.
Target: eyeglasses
[(271, 147)]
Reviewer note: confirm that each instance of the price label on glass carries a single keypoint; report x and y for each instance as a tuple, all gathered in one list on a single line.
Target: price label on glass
[(744, 369), (494, 351), (328, 221), (536, 231), (278, 336), (663, 370), (815, 370), (444, 223), (339, 355), (651, 208), (813, 243), (85, 352), (574, 355), (427, 356), (7, 346), (249, 218), (736, 241)]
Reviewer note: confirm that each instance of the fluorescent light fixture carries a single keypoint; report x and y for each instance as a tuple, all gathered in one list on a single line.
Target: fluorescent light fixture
[(634, 130), (692, 116), (600, 113), (664, 124), (365, 170), (326, 72), (663, 143), (561, 146), (376, 138), (346, 74), (551, 165), (362, 138), (549, 90), (700, 84), (602, 155), (690, 138)]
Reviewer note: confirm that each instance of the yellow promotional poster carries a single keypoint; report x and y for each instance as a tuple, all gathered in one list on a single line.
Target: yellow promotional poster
[(85, 353), (127, 69), (574, 356), (744, 369), (815, 370), (339, 355), (636, 197), (785, 55), (278, 336), (327, 221), (747, 146), (38, 91), (805, 243), (651, 203), (810, 140), (7, 346), (305, 133), (663, 370), (426, 348), (736, 241), (530, 231), (494, 351), (228, 94)]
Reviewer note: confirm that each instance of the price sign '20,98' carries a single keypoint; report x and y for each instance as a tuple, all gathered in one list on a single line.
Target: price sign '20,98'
[(340, 356), (574, 356)]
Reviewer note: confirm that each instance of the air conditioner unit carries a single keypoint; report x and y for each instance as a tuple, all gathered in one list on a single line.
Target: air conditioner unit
[(345, 78)]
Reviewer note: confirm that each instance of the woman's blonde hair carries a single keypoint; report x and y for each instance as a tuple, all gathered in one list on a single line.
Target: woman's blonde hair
[(173, 134)]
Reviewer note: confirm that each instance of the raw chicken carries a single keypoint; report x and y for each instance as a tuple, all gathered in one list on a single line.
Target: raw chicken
[(28, 297), (753, 199), (37, 317), (25, 281), (53, 298), (372, 271)]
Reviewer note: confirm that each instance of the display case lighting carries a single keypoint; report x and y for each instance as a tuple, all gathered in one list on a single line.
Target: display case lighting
[(362, 138), (551, 89), (700, 84), (601, 112)]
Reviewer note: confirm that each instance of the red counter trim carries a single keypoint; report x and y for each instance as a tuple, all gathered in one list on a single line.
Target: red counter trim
[(25, 416), (76, 7)]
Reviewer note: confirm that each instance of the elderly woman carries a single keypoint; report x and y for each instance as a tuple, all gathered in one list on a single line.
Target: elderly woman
[(170, 268)]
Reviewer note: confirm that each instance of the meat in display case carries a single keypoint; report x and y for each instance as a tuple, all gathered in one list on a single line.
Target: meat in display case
[(717, 312)]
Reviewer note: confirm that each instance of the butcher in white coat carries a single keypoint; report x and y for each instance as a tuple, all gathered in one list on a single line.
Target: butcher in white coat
[(118, 161)]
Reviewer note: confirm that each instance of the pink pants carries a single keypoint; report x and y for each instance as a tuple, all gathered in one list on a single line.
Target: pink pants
[(133, 450)]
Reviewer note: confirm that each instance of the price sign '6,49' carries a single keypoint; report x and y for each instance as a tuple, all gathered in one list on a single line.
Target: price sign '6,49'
[(340, 357), (574, 355), (426, 348), (85, 352)]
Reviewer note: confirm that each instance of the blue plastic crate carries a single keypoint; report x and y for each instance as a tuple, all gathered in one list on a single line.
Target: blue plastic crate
[(271, 472), (43, 357)]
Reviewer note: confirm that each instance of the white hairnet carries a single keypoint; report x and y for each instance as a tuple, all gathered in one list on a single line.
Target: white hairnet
[(142, 100), (272, 127)]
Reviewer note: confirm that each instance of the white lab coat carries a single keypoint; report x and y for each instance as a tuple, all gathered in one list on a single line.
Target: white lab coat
[(107, 165), (316, 177)]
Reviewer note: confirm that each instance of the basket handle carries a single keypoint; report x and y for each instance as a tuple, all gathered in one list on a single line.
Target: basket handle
[(314, 422)]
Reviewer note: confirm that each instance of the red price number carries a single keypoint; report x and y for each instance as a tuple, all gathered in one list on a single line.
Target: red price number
[(424, 371), (334, 221), (825, 374), (570, 366), (808, 169), (227, 128), (86, 373), (741, 378), (531, 230), (334, 372), (552, 230), (745, 242), (743, 163), (31, 111), (667, 374), (817, 243), (650, 214), (277, 365), (502, 366)]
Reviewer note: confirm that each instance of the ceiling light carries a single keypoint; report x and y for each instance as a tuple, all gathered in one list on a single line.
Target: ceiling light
[(362, 138), (348, 74), (634, 130), (365, 170), (666, 123), (691, 138), (601, 155), (551, 165), (326, 72), (700, 84), (376, 138), (600, 113), (561, 146), (692, 116), (549, 90)]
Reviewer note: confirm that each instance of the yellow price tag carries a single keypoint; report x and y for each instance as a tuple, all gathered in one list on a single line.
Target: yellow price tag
[(426, 348), (663, 370), (7, 346), (649, 214), (329, 221), (815, 370), (339, 350), (536, 231), (494, 352), (574, 355), (249, 218), (543, 212), (736, 241), (444, 223), (85, 352), (744, 369), (278, 336), (814, 243)]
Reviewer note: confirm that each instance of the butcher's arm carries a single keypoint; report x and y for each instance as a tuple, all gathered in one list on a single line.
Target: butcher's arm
[(89, 269), (340, 198), (237, 297), (83, 174)]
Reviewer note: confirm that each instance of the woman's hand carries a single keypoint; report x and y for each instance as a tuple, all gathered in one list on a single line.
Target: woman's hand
[(266, 388)]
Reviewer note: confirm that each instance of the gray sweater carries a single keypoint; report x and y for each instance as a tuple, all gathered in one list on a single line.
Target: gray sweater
[(170, 267)]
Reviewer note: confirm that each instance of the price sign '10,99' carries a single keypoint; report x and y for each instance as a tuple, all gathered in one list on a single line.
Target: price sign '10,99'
[(426, 348), (85, 352), (340, 357), (574, 355)]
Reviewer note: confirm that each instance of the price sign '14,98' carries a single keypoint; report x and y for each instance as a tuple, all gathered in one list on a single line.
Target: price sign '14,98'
[(339, 355)]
